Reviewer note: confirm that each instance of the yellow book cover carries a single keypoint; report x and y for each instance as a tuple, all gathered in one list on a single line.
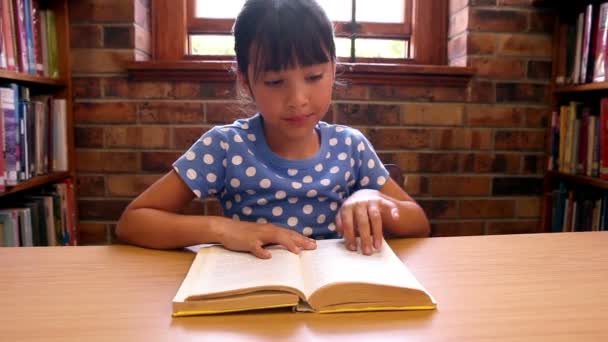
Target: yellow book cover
[(327, 279)]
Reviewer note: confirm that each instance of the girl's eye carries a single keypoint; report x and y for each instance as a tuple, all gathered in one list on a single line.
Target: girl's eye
[(315, 77), (273, 83)]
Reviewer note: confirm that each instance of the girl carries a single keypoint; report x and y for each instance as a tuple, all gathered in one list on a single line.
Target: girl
[(282, 176)]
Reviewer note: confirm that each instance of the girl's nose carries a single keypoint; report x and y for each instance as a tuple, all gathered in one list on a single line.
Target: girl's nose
[(298, 96)]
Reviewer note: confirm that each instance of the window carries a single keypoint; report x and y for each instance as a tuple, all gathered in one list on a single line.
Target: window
[(364, 30), (367, 31)]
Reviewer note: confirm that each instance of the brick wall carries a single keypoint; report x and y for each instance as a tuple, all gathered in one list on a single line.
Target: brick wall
[(473, 156)]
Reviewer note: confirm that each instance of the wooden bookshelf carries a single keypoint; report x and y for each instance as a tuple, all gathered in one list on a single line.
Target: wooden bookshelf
[(36, 182), (595, 182), (30, 80), (578, 88), (589, 94), (59, 87)]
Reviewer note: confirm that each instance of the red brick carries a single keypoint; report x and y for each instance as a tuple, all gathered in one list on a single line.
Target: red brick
[(89, 136), (492, 163), (498, 68), (537, 117), (119, 37), (85, 36), (130, 185), (528, 207), (399, 138), (115, 87), (487, 208), (457, 228), (91, 233), (224, 113), (91, 185), (187, 90), (516, 3), (460, 186), (462, 138), (497, 21), (494, 116), (158, 161), (104, 112), (481, 91), (417, 185), (539, 70), (367, 114), (171, 113), (525, 45), (137, 137), (415, 93), (150, 90), (218, 91), (184, 137), (86, 87), (423, 162), (513, 227), (482, 43), (542, 22), (102, 11), (106, 161), (351, 92), (522, 92), (439, 209), (101, 209), (519, 140), (432, 114), (89, 61)]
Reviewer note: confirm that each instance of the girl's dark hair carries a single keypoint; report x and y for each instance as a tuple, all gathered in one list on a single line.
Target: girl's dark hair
[(278, 34)]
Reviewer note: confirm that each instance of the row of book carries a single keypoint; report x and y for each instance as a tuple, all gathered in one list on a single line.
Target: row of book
[(42, 218), (583, 47), (580, 209), (579, 139), (33, 132), (29, 38)]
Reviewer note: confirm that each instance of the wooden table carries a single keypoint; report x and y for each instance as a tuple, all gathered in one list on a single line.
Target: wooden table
[(544, 287)]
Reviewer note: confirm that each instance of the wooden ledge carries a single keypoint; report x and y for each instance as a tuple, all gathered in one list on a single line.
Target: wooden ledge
[(355, 73)]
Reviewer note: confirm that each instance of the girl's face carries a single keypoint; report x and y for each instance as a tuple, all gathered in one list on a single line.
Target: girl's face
[(292, 101)]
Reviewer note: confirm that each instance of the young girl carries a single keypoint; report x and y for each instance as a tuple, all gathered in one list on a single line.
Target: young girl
[(282, 176)]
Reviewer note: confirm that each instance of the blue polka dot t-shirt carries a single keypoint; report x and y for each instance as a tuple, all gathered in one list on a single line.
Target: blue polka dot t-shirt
[(234, 163)]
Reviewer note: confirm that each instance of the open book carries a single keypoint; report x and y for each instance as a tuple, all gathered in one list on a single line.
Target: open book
[(327, 279)]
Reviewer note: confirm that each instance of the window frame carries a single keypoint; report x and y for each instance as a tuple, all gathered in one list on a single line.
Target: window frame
[(170, 32)]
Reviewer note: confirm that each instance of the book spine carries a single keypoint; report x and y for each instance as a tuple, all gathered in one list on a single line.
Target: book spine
[(604, 139), (588, 16), (36, 37), (9, 35), (29, 36), (601, 44), (11, 130), (21, 36)]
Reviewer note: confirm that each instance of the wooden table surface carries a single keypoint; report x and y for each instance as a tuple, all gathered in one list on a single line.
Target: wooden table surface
[(540, 287)]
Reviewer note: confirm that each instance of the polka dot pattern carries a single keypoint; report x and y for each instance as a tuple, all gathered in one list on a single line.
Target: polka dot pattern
[(234, 163)]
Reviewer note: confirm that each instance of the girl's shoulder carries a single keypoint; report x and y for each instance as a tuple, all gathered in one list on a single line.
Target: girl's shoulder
[(238, 127)]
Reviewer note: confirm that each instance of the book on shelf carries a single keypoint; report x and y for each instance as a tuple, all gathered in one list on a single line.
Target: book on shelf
[(578, 209), (327, 279), (41, 217)]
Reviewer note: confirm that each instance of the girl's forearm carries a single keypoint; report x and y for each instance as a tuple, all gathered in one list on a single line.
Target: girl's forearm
[(412, 221), (153, 228)]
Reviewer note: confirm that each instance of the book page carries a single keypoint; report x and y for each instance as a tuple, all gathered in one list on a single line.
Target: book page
[(216, 270), (331, 263)]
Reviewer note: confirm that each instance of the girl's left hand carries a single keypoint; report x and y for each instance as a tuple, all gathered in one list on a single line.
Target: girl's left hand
[(361, 214)]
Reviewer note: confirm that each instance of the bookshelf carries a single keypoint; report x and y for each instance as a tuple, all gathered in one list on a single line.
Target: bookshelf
[(568, 87), (50, 81)]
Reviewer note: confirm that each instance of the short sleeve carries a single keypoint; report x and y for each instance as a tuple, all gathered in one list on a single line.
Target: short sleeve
[(202, 167), (371, 173)]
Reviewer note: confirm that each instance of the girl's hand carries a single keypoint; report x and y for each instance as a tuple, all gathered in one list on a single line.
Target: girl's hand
[(361, 214), (251, 237)]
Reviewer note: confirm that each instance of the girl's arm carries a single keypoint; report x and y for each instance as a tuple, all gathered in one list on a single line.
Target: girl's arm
[(152, 221)]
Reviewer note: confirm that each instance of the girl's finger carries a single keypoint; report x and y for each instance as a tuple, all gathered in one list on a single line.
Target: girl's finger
[(348, 229), (363, 227), (373, 211)]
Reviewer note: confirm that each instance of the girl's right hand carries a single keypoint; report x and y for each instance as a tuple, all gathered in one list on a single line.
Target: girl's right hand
[(252, 237)]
